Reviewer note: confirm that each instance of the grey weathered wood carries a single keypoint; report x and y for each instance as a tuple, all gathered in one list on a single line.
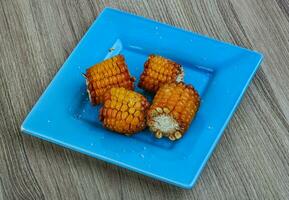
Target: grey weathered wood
[(252, 159)]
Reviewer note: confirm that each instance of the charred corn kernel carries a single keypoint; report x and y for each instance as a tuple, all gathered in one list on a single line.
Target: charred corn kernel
[(124, 111), (158, 71), (112, 72), (158, 134), (173, 108)]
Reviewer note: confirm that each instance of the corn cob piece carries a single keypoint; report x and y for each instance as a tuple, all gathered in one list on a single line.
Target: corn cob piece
[(112, 72), (124, 111), (173, 108), (158, 71)]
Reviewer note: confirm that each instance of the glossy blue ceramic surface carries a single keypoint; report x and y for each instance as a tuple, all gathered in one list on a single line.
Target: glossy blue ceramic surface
[(219, 71)]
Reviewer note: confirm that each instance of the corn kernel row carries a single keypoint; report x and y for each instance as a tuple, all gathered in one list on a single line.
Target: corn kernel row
[(177, 102), (112, 72), (124, 111), (158, 71)]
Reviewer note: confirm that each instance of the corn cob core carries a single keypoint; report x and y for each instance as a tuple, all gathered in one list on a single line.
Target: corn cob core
[(112, 72), (124, 111), (172, 110), (158, 71)]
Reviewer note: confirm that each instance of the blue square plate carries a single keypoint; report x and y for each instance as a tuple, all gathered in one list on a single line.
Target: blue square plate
[(220, 72)]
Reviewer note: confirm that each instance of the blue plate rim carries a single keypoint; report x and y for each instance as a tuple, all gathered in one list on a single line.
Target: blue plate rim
[(119, 163)]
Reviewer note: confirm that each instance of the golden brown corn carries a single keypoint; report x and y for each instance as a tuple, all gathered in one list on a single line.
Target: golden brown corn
[(112, 72), (158, 71), (173, 108), (124, 111)]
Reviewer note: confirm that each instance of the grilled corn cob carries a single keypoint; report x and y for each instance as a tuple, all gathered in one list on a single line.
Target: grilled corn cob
[(173, 108), (124, 111), (112, 72), (158, 71)]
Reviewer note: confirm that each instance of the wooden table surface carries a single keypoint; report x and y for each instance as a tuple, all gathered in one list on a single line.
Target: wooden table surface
[(252, 158)]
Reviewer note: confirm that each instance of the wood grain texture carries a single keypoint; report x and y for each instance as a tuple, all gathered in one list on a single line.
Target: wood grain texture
[(252, 159)]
